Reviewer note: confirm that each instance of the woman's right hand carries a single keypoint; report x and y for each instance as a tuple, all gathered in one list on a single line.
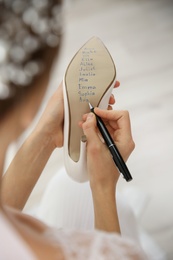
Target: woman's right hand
[(101, 167)]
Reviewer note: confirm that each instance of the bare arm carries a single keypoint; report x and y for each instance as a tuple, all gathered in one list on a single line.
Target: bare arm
[(29, 162), (25, 169)]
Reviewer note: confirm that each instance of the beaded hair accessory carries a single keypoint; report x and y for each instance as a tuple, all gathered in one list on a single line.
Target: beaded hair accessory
[(26, 26)]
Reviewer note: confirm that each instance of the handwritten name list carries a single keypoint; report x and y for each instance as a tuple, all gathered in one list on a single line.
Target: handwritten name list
[(86, 73)]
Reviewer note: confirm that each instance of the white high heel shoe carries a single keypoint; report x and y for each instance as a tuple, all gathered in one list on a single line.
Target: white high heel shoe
[(90, 77)]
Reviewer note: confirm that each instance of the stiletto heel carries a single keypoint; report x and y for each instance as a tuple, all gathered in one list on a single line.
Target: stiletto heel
[(90, 77)]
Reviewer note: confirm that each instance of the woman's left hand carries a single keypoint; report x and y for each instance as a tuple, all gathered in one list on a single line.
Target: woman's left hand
[(52, 119)]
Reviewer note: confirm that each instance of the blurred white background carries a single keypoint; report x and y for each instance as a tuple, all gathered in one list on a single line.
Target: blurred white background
[(139, 36)]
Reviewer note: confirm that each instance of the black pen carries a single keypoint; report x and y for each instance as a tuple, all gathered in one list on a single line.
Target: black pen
[(112, 147)]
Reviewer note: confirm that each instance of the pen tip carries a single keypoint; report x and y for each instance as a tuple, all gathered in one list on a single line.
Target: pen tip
[(90, 106)]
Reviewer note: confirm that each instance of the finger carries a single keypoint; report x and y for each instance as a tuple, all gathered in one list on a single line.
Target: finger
[(84, 117), (90, 129), (120, 117), (112, 99), (109, 107), (108, 115), (117, 84)]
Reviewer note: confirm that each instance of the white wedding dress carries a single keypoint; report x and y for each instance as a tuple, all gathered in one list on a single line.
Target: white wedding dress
[(75, 245), (67, 204), (95, 245)]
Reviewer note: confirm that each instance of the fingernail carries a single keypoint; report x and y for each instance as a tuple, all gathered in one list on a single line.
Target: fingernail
[(90, 115)]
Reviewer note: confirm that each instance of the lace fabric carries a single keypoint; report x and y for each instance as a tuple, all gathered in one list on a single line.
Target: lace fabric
[(75, 245), (95, 245)]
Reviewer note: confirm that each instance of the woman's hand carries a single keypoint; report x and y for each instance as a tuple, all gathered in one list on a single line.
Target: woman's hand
[(52, 120), (101, 167), (119, 126)]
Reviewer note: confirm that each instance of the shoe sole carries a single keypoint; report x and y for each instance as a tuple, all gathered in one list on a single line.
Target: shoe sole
[(89, 76)]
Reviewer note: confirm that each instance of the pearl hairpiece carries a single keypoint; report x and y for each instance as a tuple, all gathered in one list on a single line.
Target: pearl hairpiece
[(26, 26)]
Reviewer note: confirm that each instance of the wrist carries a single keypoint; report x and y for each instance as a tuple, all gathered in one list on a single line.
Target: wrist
[(103, 193), (104, 185), (42, 138), (50, 125), (105, 210)]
